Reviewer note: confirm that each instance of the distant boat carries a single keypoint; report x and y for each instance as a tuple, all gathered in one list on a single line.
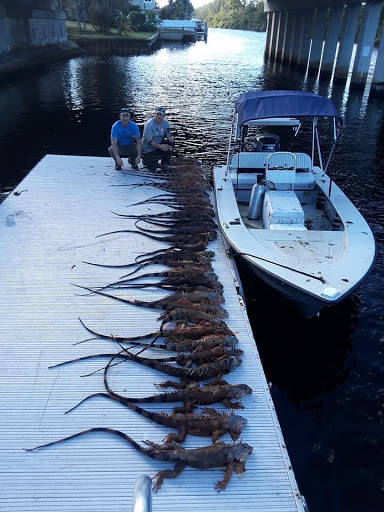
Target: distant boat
[(201, 28), (283, 214)]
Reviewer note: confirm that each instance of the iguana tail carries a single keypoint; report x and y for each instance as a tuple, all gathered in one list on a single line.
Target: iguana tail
[(145, 451), (173, 396)]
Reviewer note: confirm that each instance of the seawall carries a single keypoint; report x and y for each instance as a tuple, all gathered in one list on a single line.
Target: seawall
[(18, 62), (119, 46)]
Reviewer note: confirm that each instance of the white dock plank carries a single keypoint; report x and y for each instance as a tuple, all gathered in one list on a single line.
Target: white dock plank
[(64, 203)]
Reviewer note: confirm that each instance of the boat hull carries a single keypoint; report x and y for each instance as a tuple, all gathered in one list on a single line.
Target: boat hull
[(312, 268), (306, 305)]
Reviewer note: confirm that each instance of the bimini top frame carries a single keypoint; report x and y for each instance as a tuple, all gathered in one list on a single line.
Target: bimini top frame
[(282, 108)]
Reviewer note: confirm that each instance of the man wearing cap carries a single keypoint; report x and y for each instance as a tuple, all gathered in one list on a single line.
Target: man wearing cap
[(125, 141), (157, 141)]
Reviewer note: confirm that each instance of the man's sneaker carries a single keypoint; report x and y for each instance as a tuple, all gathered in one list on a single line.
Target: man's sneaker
[(117, 167), (165, 167), (132, 163)]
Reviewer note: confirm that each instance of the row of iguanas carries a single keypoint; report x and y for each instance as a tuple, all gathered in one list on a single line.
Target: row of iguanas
[(205, 348)]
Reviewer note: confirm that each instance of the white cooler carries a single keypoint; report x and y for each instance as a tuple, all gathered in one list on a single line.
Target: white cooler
[(282, 210)]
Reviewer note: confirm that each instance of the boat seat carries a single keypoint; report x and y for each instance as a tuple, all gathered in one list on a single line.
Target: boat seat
[(249, 161), (246, 180), (281, 170), (258, 161), (304, 180)]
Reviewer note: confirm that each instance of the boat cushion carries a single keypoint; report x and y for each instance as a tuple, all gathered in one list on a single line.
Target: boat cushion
[(246, 180), (258, 161), (280, 179)]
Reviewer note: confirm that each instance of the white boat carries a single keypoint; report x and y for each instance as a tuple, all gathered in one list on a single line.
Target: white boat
[(281, 211)]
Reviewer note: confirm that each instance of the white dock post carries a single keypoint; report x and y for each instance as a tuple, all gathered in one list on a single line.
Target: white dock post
[(365, 43), (142, 497), (332, 36), (347, 40), (318, 34)]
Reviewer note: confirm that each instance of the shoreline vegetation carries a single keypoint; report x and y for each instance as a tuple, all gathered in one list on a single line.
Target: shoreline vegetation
[(74, 34), (234, 14)]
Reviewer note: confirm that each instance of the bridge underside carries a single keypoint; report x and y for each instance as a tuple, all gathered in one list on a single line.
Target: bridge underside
[(324, 36)]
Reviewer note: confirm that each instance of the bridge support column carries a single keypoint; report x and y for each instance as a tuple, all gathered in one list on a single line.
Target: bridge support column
[(296, 43), (365, 44), (281, 35), (273, 42), (347, 40), (331, 38), (318, 35), (305, 39), (378, 75), (268, 36), (291, 24)]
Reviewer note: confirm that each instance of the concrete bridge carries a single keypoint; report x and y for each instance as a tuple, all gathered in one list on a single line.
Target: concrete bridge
[(320, 35), (30, 24)]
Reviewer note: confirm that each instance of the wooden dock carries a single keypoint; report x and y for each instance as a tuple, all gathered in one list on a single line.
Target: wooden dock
[(48, 227)]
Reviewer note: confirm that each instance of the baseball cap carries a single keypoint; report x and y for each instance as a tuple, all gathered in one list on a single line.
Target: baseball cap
[(125, 111), (161, 110)]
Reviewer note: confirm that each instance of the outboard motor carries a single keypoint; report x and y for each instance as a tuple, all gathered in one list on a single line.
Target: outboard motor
[(266, 142)]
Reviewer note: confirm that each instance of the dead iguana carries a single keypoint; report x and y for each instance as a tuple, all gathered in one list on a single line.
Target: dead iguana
[(192, 396), (178, 334), (200, 357), (211, 423), (230, 456), (204, 372), (193, 346), (168, 303)]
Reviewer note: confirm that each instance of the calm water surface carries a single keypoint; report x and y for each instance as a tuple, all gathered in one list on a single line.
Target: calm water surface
[(326, 374)]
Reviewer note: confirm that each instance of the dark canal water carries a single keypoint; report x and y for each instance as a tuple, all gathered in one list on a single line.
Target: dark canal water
[(326, 374)]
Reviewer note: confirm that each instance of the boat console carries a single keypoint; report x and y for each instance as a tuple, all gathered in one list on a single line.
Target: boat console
[(282, 210)]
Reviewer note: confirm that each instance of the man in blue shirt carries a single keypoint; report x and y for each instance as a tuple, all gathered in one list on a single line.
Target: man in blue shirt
[(157, 141), (125, 141)]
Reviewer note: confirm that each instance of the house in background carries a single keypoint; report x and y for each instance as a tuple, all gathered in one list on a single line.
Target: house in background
[(149, 5)]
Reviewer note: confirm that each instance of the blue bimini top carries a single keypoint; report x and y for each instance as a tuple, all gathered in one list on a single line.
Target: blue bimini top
[(266, 104)]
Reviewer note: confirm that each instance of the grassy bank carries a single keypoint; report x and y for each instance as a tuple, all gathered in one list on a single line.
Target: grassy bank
[(90, 33)]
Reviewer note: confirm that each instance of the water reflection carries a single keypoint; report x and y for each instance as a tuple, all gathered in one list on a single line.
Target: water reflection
[(71, 84)]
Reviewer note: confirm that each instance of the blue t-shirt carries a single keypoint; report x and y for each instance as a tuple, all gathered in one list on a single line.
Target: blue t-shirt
[(123, 135)]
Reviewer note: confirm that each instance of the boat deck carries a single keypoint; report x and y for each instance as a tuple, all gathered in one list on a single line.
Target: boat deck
[(48, 229), (314, 219)]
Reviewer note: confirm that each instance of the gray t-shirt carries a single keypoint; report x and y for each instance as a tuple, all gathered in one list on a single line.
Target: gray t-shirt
[(155, 132)]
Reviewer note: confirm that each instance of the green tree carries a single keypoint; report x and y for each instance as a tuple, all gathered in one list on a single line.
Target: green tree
[(101, 14), (236, 14), (177, 10), (77, 10)]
